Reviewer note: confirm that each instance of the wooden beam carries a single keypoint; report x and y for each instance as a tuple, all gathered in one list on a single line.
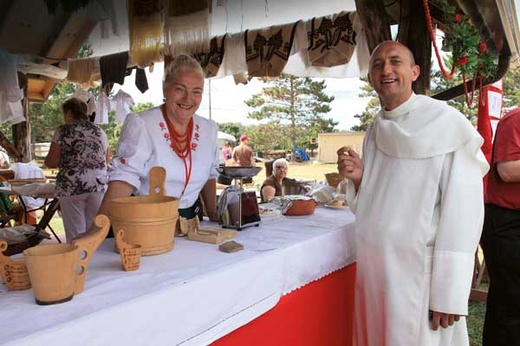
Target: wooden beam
[(416, 36), (375, 21)]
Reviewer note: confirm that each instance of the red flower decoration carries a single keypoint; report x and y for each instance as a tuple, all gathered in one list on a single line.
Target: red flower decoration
[(462, 61), (123, 161), (161, 124), (197, 127), (166, 135), (197, 135), (194, 145), (482, 47), (457, 18)]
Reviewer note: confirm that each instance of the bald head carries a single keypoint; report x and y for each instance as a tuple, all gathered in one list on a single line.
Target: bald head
[(395, 43)]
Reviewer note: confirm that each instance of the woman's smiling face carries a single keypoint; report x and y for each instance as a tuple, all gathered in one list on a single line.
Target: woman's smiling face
[(183, 94)]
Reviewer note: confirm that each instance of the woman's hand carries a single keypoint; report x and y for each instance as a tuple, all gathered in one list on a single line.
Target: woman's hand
[(213, 216), (350, 165)]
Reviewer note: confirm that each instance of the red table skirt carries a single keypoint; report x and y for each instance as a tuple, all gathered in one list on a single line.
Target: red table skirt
[(319, 313)]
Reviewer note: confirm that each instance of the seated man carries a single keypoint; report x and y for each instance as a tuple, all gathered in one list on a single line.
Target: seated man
[(272, 186)]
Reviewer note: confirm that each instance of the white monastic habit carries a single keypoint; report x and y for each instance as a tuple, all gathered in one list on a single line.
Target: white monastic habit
[(419, 212)]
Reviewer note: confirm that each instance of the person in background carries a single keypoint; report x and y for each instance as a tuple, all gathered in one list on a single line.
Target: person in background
[(174, 137), (418, 199), (79, 149), (273, 185), (501, 236), (4, 160), (227, 152), (243, 154)]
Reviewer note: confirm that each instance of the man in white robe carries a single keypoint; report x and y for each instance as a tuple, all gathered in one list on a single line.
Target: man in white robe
[(418, 199)]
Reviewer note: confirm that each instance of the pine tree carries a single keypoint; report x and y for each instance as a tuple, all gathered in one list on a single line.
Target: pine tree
[(294, 107)]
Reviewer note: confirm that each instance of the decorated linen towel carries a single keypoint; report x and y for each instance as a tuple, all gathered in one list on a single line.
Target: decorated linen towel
[(332, 39), (267, 50), (211, 61)]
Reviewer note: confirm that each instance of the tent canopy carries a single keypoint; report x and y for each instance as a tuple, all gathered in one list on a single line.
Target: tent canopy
[(226, 137)]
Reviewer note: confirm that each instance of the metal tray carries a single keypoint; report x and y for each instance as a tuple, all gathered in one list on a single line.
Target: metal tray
[(239, 171)]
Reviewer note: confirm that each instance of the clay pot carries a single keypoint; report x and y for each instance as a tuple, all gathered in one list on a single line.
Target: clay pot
[(147, 220), (13, 271), (52, 270), (301, 207), (130, 253)]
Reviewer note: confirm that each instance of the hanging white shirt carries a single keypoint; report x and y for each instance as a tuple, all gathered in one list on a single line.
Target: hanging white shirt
[(122, 103)]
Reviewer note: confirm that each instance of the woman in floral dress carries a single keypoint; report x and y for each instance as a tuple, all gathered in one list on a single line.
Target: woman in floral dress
[(80, 149)]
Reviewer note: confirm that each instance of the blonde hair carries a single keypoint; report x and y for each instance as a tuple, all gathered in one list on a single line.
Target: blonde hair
[(182, 62)]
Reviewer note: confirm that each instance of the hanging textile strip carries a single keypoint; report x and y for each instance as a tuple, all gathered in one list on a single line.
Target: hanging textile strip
[(211, 61), (146, 31), (267, 50), (187, 27), (332, 39)]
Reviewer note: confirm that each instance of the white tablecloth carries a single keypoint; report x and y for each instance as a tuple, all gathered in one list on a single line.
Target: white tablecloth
[(192, 295)]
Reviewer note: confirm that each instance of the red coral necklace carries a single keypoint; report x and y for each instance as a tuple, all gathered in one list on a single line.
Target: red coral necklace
[(181, 146)]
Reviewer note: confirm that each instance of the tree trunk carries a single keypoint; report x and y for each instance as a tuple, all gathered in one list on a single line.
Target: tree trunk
[(22, 131), (375, 21)]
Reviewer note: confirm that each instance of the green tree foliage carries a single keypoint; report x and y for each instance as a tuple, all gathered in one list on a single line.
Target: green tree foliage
[(292, 111), (372, 107), (511, 97), (234, 129), (511, 91), (142, 107), (46, 116)]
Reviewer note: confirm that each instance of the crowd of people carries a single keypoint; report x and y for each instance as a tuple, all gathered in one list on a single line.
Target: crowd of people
[(417, 194)]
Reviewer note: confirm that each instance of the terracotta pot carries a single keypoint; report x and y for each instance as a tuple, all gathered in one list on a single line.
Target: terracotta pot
[(53, 269), (301, 207), (147, 220), (13, 271)]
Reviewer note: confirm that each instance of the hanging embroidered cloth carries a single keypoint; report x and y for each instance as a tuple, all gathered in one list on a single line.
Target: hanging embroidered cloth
[(332, 39), (211, 61), (187, 26), (146, 31), (267, 50)]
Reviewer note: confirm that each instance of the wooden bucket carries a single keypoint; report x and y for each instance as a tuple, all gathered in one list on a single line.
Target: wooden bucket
[(147, 220), (52, 270)]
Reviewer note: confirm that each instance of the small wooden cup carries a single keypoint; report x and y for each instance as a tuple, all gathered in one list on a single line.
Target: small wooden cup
[(131, 257), (13, 271), (130, 253)]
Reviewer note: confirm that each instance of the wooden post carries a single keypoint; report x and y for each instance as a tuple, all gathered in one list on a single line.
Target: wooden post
[(22, 131), (374, 18)]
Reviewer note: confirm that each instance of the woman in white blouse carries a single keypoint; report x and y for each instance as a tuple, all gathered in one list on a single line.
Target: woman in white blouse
[(174, 137)]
